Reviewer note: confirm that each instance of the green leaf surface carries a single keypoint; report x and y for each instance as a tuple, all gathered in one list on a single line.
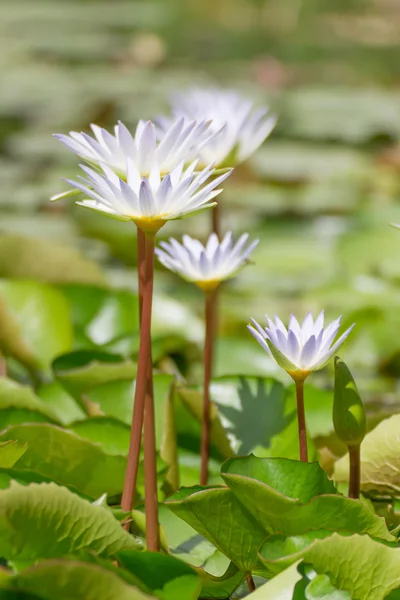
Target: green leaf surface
[(380, 459), (340, 558), (62, 405), (280, 587), (112, 435), (270, 490), (66, 579), (166, 577), (68, 459), (46, 520), (45, 261), (193, 401), (18, 404), (82, 370), (278, 551), (10, 453), (115, 396), (218, 516), (183, 540), (35, 322), (321, 588), (253, 410)]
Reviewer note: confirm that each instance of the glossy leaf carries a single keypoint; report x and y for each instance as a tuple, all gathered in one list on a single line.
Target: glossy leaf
[(280, 587), (65, 579), (10, 453), (218, 516), (291, 498), (68, 459), (19, 404), (166, 577), (340, 557), (46, 520), (82, 370), (45, 261), (35, 323)]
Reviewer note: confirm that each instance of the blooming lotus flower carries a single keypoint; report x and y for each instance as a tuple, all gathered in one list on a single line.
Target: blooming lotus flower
[(239, 128), (299, 349), (148, 201), (208, 265), (180, 141)]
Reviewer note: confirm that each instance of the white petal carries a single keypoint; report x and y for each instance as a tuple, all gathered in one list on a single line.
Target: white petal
[(259, 339), (293, 347), (307, 327), (146, 200), (147, 148), (324, 358), (308, 353)]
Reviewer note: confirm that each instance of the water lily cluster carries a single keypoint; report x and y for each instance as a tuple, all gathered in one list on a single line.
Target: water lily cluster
[(172, 169)]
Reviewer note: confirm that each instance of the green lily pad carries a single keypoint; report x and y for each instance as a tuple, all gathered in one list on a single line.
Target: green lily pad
[(68, 459), (46, 520), (35, 323)]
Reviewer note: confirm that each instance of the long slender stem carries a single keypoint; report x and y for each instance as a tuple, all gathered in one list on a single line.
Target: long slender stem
[(146, 263), (210, 317), (301, 420), (216, 219), (250, 582), (355, 471)]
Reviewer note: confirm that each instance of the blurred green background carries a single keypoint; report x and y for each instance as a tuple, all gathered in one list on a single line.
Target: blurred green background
[(320, 193)]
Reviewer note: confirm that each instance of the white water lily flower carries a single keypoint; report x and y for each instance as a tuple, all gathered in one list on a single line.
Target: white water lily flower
[(208, 265), (180, 141), (148, 202), (239, 128), (299, 349)]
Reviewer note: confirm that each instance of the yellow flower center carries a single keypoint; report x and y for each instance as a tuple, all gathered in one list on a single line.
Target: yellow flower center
[(208, 285), (148, 224)]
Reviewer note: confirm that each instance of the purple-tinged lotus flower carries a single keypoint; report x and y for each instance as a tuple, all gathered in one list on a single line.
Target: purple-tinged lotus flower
[(148, 201), (181, 141), (239, 129), (206, 266), (299, 350)]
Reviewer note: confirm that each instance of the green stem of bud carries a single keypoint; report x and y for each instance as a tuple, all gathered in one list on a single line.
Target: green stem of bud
[(355, 471)]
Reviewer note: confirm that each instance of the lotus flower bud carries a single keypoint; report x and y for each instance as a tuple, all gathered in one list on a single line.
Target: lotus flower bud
[(348, 409)]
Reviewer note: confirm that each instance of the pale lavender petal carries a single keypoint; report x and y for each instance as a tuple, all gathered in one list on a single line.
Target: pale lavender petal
[(308, 353), (259, 339)]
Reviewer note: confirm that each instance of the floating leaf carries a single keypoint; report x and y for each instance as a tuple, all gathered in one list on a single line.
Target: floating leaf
[(82, 370), (340, 557), (218, 516), (63, 406), (10, 453), (45, 261), (68, 459), (112, 435), (46, 520), (65, 579), (19, 404), (192, 399), (280, 587), (166, 577), (291, 498), (35, 323)]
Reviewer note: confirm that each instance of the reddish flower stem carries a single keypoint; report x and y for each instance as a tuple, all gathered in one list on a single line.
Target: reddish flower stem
[(355, 471), (143, 391), (250, 582), (210, 318), (301, 420)]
